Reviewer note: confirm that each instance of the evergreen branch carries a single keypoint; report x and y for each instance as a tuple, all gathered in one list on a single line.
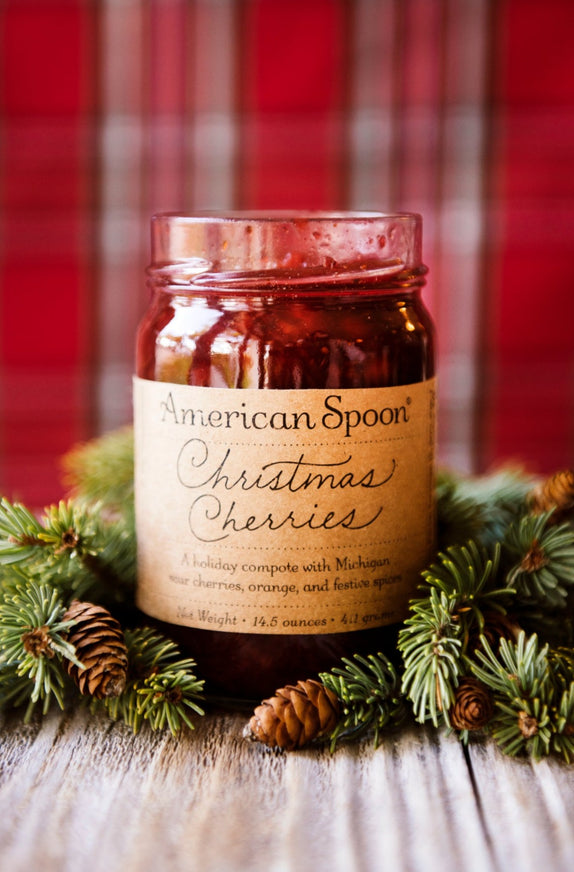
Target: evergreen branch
[(19, 533), (434, 640), (525, 695), (33, 645), (69, 531), (102, 470), (523, 727), (165, 696), (115, 564), (87, 544), (459, 517), (520, 669), (73, 549), (480, 507), (467, 574), (431, 646), (369, 690), (160, 687), (543, 571)]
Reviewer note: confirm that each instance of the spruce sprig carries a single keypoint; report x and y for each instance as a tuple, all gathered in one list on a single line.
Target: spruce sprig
[(525, 694), (480, 507), (369, 691), (543, 571), (166, 696), (102, 470), (32, 646), (161, 687), (432, 647), (435, 637), (72, 548), (20, 533), (518, 669)]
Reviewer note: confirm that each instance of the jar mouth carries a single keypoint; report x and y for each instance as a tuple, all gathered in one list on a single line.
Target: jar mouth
[(298, 243), (282, 215)]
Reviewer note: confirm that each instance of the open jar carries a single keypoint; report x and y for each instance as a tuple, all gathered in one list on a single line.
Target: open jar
[(284, 429)]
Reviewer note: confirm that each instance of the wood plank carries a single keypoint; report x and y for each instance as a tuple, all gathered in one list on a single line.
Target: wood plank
[(528, 809), (79, 792)]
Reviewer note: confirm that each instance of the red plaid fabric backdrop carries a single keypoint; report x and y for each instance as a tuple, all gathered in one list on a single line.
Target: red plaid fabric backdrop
[(462, 110)]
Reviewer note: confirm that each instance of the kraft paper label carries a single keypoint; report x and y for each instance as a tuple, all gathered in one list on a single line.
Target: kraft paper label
[(282, 511)]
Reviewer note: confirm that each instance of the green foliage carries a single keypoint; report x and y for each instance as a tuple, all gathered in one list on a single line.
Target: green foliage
[(102, 470), (431, 644), (434, 640), (83, 548), (161, 687), (528, 571), (561, 662), (480, 508), (500, 568), (19, 533), (534, 712), (459, 516), (33, 645), (369, 690), (73, 548), (543, 555)]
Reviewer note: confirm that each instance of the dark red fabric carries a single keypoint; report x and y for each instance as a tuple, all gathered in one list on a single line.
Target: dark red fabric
[(47, 98), (530, 331), (293, 79)]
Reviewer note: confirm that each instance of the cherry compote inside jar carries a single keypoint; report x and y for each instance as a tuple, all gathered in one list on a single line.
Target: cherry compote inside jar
[(284, 426)]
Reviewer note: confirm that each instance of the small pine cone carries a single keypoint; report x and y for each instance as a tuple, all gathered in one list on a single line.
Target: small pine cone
[(295, 715), (100, 646), (556, 492), (473, 707)]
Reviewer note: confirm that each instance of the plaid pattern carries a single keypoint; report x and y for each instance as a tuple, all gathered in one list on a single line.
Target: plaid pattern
[(115, 109)]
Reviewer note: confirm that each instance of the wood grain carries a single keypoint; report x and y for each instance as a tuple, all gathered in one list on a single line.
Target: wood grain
[(77, 792)]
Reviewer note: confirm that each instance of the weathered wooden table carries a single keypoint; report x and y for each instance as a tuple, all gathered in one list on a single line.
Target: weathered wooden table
[(81, 793)]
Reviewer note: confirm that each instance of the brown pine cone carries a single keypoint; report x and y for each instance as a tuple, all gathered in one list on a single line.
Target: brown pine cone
[(473, 706), (100, 646), (295, 715), (556, 492)]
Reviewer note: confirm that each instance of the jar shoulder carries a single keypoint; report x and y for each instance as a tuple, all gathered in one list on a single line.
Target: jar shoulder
[(291, 342)]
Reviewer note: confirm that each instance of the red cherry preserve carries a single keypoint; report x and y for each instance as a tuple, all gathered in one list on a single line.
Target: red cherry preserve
[(284, 408)]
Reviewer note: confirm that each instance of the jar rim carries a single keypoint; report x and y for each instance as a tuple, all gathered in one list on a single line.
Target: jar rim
[(310, 243), (234, 216)]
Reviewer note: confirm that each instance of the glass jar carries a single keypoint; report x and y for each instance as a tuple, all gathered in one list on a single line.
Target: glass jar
[(284, 428)]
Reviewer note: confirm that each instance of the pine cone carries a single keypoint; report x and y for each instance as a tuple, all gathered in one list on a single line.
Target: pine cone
[(556, 492), (295, 715), (473, 707), (100, 646)]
